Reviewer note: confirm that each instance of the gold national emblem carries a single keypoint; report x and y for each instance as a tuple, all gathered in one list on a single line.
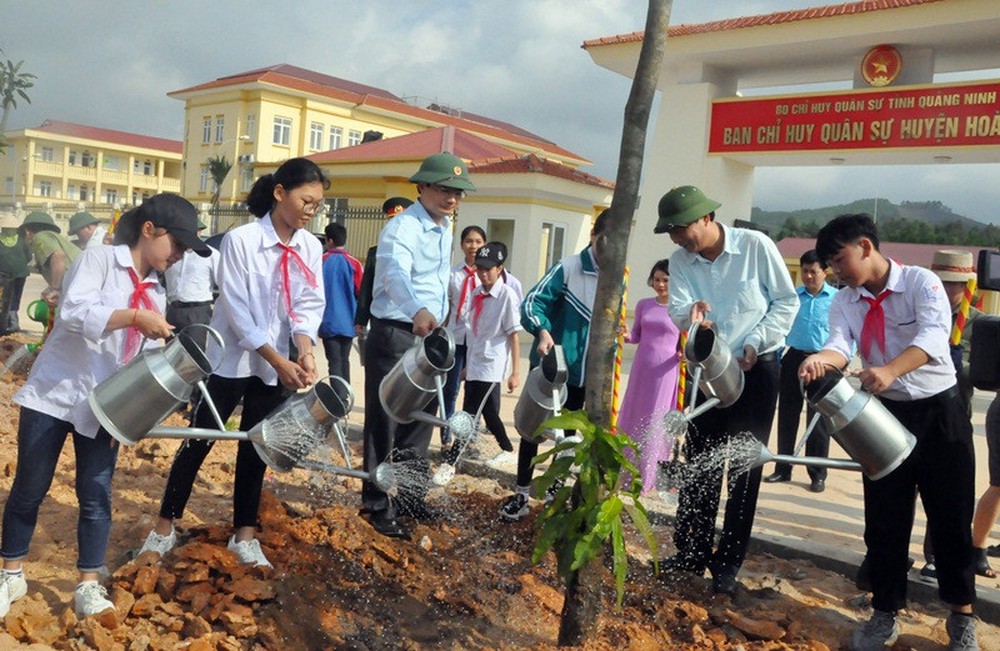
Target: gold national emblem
[(457, 171), (881, 65)]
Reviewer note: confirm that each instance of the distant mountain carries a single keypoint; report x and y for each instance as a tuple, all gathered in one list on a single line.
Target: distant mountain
[(931, 212)]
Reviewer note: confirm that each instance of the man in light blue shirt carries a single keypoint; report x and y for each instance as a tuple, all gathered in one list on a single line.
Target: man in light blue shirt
[(410, 299), (737, 279), (808, 334)]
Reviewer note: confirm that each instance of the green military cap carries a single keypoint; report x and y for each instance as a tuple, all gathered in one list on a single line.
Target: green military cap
[(444, 169), (81, 220), (681, 207), (40, 221)]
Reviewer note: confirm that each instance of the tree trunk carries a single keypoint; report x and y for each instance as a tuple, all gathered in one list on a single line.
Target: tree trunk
[(582, 607)]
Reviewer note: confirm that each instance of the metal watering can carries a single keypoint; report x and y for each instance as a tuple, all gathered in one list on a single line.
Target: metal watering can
[(542, 397), (153, 385), (418, 376)]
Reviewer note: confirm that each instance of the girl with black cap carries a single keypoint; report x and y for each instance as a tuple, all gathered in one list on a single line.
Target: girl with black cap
[(270, 291), (111, 299)]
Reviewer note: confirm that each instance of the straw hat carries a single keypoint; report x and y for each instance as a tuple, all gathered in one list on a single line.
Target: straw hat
[(953, 266)]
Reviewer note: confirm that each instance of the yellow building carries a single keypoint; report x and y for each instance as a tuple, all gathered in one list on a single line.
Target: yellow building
[(271, 114), (62, 167)]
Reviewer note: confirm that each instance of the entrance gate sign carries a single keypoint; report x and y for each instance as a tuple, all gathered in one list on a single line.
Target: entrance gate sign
[(941, 115)]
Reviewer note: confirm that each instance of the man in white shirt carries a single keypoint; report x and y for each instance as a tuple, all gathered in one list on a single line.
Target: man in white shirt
[(190, 285), (736, 278)]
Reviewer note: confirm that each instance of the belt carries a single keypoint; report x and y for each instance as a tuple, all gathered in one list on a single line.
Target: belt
[(190, 303), (392, 323), (767, 357), (802, 352)]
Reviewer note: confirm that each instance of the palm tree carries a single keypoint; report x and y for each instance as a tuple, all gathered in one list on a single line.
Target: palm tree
[(13, 86), (218, 169)]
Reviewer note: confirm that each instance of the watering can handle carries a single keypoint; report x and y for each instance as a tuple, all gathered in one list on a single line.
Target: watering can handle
[(802, 385), (330, 379), (215, 335)]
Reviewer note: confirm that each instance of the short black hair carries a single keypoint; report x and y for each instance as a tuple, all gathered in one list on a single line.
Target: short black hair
[(810, 257), (600, 223), (660, 265), (843, 230), (336, 234)]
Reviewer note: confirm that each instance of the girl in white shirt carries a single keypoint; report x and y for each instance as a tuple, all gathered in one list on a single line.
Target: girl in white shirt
[(270, 292), (111, 299)]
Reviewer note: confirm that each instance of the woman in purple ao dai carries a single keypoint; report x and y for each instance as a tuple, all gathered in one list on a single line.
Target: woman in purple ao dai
[(652, 382)]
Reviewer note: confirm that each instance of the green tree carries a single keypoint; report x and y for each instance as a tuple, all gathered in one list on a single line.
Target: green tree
[(14, 85), (218, 169)]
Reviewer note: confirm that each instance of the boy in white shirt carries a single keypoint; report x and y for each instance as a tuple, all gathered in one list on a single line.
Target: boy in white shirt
[(492, 324)]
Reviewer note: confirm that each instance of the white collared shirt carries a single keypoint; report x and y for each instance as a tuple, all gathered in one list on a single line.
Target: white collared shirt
[(251, 309), (917, 313), (486, 359), (748, 287), (192, 278), (79, 353), (457, 322)]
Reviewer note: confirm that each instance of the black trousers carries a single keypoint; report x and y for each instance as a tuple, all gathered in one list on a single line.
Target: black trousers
[(527, 450), (942, 467), (181, 315), (387, 343), (698, 501), (475, 391), (790, 413), (259, 400), (338, 355)]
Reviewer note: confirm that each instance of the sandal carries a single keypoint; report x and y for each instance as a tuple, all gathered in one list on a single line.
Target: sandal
[(983, 565)]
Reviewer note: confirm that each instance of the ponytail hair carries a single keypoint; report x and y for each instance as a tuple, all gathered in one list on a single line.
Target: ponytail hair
[(128, 228), (290, 175)]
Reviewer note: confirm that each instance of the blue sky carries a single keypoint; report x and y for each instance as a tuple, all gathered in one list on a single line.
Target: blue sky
[(110, 63)]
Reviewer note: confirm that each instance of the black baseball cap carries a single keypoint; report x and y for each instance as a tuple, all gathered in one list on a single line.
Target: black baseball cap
[(491, 254), (176, 215)]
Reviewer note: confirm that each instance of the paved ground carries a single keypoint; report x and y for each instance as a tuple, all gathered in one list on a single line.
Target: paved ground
[(791, 521)]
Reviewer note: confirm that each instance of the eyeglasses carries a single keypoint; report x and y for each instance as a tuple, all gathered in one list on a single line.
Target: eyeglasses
[(314, 209), (451, 192)]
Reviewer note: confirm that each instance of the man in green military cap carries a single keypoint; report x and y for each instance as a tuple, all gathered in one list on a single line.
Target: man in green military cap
[(410, 298), (13, 268), (53, 251), (87, 230), (736, 278)]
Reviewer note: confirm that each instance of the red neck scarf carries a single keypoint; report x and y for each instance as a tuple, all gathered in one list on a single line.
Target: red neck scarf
[(468, 284), (288, 253), (139, 300), (874, 324), (477, 308)]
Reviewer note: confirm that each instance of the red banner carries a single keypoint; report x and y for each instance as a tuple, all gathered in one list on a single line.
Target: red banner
[(925, 116)]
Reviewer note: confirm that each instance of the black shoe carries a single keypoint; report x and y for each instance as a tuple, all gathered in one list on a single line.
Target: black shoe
[(388, 526), (777, 477), (419, 511), (724, 581), (681, 563), (817, 485)]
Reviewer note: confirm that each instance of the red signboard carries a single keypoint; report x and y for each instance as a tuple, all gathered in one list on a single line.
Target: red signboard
[(925, 116)]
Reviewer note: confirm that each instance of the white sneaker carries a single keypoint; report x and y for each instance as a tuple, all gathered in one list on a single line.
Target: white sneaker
[(91, 598), (160, 544), (12, 588), (501, 459), (248, 552)]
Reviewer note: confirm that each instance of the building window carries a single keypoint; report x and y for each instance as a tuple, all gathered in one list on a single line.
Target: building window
[(553, 239), (203, 179), (353, 138), (111, 163), (251, 130), (206, 130), (71, 191), (247, 176), (147, 167), (315, 136), (47, 154), (72, 157), (45, 188), (83, 193), (87, 159), (110, 196), (282, 131), (220, 128), (336, 136), (9, 185)]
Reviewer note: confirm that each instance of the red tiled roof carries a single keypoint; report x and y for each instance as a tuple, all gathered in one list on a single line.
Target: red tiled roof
[(531, 164), (921, 255), (419, 145), (307, 81), (778, 17), (109, 135)]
